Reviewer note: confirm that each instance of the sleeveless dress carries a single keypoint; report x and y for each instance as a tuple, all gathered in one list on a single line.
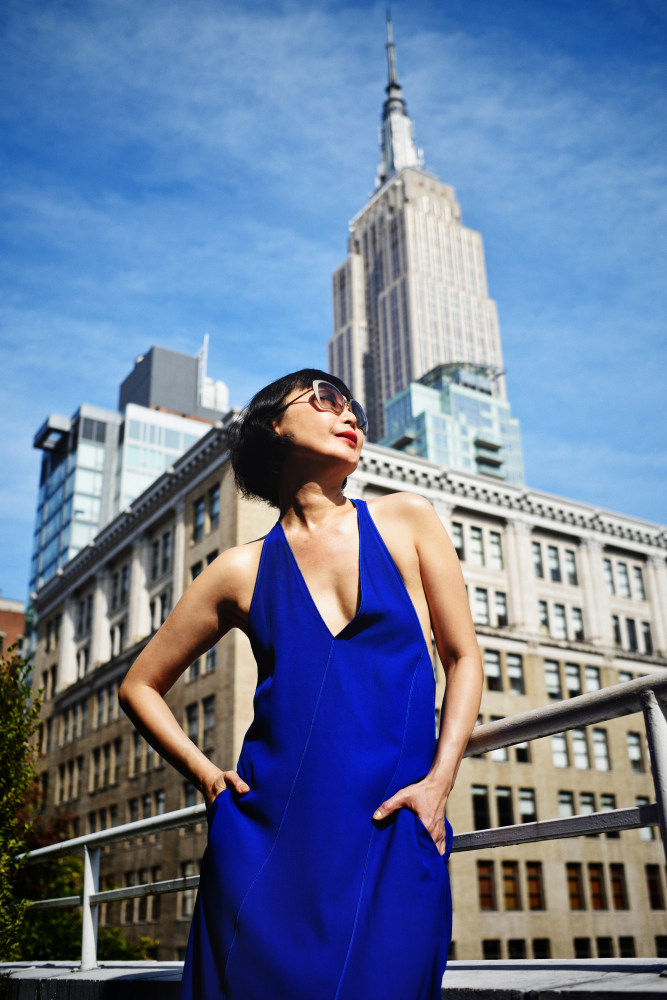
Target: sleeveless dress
[(302, 895)]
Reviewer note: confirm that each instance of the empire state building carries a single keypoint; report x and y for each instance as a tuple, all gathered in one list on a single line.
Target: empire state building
[(412, 294)]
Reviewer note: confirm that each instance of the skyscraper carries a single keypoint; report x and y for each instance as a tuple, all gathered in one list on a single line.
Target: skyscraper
[(412, 293), (98, 461)]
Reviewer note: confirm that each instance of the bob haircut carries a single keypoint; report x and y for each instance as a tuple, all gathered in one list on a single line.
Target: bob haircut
[(257, 452)]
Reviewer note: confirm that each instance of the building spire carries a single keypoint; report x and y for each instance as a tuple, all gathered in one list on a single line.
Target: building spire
[(397, 143)]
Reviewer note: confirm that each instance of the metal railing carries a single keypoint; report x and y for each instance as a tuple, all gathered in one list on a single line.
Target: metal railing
[(645, 695)]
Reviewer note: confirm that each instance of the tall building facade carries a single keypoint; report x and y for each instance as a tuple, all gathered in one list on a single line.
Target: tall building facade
[(451, 416), (566, 598), (412, 293), (96, 462)]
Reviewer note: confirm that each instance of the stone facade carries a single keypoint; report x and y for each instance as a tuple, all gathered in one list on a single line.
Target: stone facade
[(540, 572)]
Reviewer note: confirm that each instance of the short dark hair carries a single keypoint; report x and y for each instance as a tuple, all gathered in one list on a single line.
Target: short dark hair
[(257, 452)]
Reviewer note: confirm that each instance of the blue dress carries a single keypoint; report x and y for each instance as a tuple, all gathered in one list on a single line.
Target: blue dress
[(302, 895)]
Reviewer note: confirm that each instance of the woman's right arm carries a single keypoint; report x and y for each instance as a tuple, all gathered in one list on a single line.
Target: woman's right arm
[(215, 602)]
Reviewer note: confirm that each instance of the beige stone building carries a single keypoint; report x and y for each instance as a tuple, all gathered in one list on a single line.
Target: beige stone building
[(566, 599)]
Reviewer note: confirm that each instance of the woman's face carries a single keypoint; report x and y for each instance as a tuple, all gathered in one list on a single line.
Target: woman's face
[(320, 430)]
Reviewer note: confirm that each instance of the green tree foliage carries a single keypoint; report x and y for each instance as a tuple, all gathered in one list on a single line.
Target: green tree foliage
[(19, 719)]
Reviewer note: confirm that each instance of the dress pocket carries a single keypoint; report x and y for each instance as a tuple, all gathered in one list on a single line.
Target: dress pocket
[(425, 839)]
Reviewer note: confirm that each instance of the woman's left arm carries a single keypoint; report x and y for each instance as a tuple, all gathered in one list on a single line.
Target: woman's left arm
[(456, 642)]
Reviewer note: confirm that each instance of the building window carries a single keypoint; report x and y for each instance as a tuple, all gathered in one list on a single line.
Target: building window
[(516, 948), (577, 624), (500, 754), (214, 507), (541, 948), (647, 638), (571, 568), (187, 895), (504, 807), (623, 579), (527, 808), (543, 615), (619, 892), (160, 802), (146, 806), (560, 624), (587, 806), (616, 629), (491, 949), (208, 706), (552, 679), (537, 560), (592, 675), (486, 884), (580, 749), (124, 585), (211, 657), (511, 892), (501, 609), (535, 886), (553, 561), (196, 569), (575, 886), (457, 539), (559, 751), (635, 752), (481, 614), (166, 551), (609, 576), (605, 947), (631, 629), (596, 886), (645, 832), (192, 721), (480, 807), (198, 509), (661, 945), (495, 550), (155, 559), (492, 670), (608, 804), (515, 673), (522, 753), (476, 547), (638, 579), (582, 947), (572, 679), (654, 887), (600, 750), (626, 947)]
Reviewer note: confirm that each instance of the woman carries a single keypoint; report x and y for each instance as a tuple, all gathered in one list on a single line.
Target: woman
[(324, 875)]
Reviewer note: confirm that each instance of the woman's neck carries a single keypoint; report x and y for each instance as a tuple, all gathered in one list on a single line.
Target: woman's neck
[(311, 504)]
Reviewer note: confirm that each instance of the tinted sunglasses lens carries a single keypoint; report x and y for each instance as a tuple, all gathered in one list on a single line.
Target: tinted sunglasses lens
[(329, 397), (358, 410)]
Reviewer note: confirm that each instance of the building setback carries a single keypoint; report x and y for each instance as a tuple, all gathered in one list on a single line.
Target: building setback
[(565, 597)]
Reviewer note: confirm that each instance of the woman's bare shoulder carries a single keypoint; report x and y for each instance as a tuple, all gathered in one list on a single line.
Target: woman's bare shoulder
[(401, 505)]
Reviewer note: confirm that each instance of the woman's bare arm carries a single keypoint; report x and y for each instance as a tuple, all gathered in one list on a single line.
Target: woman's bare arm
[(216, 601), (456, 642)]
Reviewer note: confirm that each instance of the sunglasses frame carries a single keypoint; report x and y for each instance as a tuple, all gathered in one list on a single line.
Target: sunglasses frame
[(353, 405)]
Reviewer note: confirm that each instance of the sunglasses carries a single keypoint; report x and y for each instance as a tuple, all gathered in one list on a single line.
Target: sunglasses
[(328, 397)]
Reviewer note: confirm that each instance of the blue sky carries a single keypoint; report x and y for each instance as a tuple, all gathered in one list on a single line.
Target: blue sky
[(178, 167)]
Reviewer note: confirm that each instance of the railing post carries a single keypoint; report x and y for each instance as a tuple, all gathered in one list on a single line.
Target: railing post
[(656, 737), (91, 885)]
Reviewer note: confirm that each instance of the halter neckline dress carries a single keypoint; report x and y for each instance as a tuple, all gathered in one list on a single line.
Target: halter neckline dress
[(302, 895)]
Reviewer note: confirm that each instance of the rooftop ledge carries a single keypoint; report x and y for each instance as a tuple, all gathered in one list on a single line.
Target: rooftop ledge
[(551, 979)]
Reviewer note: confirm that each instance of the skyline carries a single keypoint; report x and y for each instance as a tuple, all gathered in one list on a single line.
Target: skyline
[(174, 171)]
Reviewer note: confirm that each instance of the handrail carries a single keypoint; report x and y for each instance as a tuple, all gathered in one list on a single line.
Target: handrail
[(645, 694)]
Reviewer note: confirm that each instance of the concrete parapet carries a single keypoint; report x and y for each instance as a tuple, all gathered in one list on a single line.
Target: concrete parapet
[(553, 979)]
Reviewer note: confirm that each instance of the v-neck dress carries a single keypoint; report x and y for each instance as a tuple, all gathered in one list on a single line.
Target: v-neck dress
[(302, 895)]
